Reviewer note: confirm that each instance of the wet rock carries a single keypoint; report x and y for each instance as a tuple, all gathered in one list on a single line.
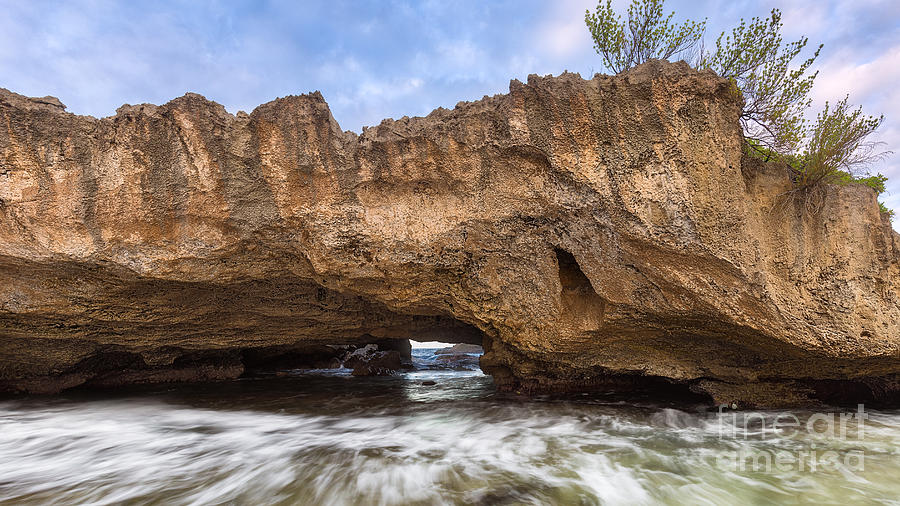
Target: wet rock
[(358, 356), (295, 356), (378, 363), (401, 346)]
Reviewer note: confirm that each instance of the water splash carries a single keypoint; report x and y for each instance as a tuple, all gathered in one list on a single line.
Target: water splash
[(333, 439)]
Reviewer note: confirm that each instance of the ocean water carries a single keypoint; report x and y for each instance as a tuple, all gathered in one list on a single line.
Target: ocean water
[(325, 437)]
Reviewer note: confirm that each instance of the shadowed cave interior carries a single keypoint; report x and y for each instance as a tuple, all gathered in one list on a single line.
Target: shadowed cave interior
[(146, 331)]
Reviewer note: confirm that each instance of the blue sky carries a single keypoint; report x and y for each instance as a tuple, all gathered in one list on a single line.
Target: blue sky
[(379, 59)]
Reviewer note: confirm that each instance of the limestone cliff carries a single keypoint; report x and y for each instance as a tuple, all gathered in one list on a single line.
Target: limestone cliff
[(589, 232)]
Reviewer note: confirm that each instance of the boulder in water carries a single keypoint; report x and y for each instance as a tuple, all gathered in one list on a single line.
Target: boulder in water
[(380, 363), (460, 348)]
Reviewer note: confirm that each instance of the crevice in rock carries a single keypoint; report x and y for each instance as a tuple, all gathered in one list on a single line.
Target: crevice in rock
[(873, 392), (299, 356), (115, 366), (842, 392), (581, 304), (630, 387)]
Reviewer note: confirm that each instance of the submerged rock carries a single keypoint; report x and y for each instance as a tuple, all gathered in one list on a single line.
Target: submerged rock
[(589, 233)]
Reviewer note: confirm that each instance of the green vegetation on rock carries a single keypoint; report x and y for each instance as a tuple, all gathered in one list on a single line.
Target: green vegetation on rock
[(647, 34), (775, 90)]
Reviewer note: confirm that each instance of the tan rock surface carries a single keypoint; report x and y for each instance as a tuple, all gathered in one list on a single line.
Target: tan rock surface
[(584, 229)]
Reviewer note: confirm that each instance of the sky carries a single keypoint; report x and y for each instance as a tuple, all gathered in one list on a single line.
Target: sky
[(380, 59)]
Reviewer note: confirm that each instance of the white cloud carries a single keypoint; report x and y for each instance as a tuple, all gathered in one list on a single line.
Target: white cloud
[(873, 80), (803, 17), (563, 37), (562, 32)]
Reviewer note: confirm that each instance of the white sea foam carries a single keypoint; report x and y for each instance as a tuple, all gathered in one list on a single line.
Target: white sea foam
[(386, 441)]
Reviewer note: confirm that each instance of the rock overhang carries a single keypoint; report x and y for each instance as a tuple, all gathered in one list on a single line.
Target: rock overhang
[(182, 225)]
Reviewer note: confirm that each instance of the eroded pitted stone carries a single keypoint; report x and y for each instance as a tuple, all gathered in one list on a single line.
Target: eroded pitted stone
[(583, 229)]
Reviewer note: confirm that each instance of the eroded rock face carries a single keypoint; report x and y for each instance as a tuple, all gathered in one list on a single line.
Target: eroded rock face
[(588, 232), (460, 349)]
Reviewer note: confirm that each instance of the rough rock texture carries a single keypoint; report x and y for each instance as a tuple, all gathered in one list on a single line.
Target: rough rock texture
[(370, 361), (588, 232), (460, 349)]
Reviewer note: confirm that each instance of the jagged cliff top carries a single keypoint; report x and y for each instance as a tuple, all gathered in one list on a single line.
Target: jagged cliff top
[(653, 70)]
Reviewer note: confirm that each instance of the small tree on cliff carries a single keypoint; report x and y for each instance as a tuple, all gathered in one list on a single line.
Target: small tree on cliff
[(837, 145), (775, 95), (646, 35), (834, 149)]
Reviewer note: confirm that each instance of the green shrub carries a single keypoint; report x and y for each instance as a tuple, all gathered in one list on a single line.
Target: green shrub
[(837, 145), (646, 35), (755, 149), (836, 149), (775, 94), (876, 182)]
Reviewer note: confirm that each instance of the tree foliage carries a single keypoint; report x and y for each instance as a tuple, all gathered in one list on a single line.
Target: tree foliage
[(775, 95), (647, 34), (837, 144)]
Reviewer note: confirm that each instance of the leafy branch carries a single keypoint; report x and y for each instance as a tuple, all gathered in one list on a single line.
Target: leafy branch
[(647, 34)]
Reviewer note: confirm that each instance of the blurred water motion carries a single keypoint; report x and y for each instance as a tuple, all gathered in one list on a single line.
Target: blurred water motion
[(323, 437)]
